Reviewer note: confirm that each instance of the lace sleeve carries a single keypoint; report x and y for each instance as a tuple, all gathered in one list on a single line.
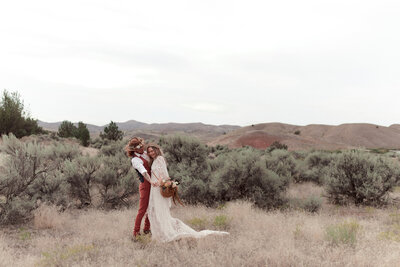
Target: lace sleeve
[(159, 168)]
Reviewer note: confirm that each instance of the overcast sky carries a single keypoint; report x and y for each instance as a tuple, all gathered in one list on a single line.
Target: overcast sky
[(211, 61)]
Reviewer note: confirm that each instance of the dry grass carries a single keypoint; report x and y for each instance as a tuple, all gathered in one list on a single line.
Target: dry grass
[(304, 190), (48, 217), (257, 238)]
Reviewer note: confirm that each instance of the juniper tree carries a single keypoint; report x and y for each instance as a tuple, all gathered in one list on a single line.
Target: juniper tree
[(67, 129), (13, 117), (112, 132), (82, 133)]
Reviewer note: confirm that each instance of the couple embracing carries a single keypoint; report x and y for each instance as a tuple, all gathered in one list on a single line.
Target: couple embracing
[(151, 166)]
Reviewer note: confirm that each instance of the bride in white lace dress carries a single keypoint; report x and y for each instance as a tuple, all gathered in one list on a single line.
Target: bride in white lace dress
[(164, 227)]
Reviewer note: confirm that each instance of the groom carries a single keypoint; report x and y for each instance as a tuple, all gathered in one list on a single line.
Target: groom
[(140, 161)]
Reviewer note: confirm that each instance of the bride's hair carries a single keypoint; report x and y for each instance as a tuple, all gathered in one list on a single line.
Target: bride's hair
[(156, 149)]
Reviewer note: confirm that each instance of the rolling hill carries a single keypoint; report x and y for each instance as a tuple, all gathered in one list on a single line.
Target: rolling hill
[(314, 136), (317, 136), (205, 132)]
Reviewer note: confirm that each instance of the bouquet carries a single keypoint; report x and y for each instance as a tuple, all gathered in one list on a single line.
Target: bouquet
[(169, 188)]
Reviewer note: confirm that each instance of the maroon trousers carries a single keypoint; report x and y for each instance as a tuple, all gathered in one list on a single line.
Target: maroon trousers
[(144, 192)]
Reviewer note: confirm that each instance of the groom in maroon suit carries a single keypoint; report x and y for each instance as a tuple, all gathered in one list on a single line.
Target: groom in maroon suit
[(140, 161)]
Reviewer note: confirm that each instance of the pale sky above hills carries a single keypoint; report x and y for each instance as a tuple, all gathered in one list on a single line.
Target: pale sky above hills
[(217, 62)]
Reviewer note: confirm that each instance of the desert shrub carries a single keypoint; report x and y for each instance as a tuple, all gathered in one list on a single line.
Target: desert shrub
[(297, 132), (188, 163), (79, 174), (180, 148), (112, 148), (220, 149), (299, 155), (312, 204), (198, 223), (379, 150), (116, 179), (67, 255), (243, 175), (221, 222), (50, 187), (314, 167), (343, 233), (393, 233), (361, 178), (99, 142), (60, 152), (282, 163), (234, 174), (32, 173), (276, 145)]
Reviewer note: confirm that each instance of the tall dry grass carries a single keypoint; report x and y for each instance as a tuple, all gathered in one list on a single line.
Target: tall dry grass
[(257, 238)]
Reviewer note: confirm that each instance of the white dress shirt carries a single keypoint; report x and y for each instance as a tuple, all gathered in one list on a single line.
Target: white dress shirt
[(137, 163)]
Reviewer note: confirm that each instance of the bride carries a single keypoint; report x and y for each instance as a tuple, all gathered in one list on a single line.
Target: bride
[(164, 227)]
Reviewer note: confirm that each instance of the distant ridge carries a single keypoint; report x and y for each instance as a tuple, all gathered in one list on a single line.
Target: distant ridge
[(205, 132), (317, 136), (313, 136)]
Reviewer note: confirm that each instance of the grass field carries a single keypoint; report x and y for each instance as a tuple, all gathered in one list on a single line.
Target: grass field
[(336, 236)]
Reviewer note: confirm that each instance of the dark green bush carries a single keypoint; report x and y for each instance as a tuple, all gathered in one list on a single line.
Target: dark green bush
[(220, 149), (282, 163), (117, 181), (13, 117), (187, 160), (361, 178), (314, 167), (233, 174), (243, 175), (79, 174), (99, 143), (312, 204)]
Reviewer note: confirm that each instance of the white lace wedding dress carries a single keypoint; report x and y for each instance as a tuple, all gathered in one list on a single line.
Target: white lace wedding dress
[(164, 227)]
